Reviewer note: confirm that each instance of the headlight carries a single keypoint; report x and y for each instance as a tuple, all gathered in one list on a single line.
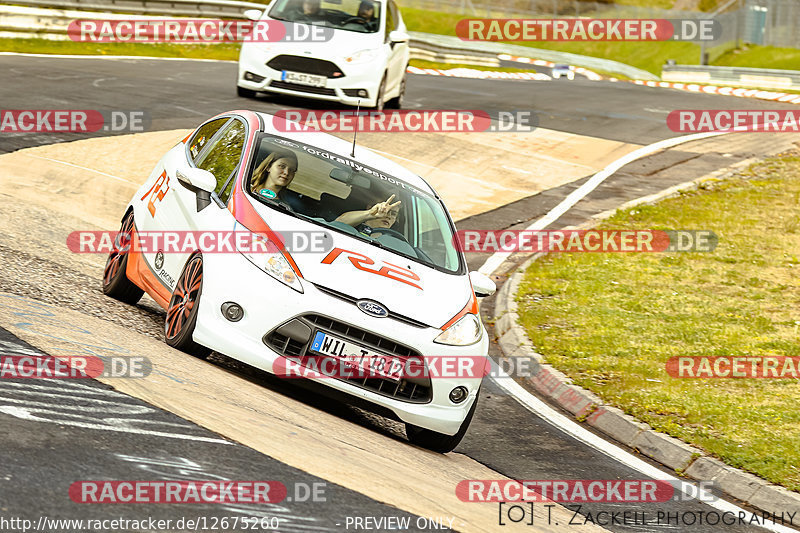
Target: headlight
[(466, 331), (264, 254), (363, 56)]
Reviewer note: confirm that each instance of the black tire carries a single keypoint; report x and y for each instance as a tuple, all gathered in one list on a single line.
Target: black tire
[(115, 282), (397, 101), (245, 93), (182, 310), (439, 442), (379, 104)]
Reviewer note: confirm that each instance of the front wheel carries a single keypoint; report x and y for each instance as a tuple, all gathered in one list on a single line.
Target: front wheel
[(182, 311), (397, 101), (115, 282), (439, 442), (381, 92)]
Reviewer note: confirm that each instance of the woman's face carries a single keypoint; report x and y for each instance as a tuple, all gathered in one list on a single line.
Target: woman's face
[(386, 221), (280, 174)]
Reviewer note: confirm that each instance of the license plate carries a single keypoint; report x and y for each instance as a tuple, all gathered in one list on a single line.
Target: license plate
[(371, 362), (304, 79)]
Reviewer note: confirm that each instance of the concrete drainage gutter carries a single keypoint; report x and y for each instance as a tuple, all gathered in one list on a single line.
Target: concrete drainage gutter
[(590, 409)]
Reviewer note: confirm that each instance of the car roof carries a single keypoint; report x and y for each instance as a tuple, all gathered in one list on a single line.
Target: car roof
[(343, 149)]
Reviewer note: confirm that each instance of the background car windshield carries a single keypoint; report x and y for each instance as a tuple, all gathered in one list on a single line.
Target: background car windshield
[(353, 15), (327, 185)]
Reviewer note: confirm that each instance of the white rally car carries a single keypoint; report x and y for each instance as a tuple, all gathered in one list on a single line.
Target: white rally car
[(364, 61), (397, 291)]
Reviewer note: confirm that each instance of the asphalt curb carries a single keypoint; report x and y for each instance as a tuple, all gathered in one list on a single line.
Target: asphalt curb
[(589, 409)]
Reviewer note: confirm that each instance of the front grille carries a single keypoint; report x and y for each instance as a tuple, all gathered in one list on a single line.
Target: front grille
[(307, 65), (302, 88), (347, 298), (416, 390)]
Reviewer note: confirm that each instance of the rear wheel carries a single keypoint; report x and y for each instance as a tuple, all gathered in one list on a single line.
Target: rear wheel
[(182, 309), (440, 442), (115, 282), (245, 93)]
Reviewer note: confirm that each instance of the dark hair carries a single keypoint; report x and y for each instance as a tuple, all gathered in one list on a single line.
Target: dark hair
[(261, 171)]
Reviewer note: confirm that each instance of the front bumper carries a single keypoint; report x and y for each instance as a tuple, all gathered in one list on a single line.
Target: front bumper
[(363, 76), (268, 304)]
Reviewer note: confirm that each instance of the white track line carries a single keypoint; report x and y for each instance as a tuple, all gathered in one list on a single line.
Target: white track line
[(497, 258), (569, 426), (83, 168)]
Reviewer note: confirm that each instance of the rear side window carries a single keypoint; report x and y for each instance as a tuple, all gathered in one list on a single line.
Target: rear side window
[(203, 136), (223, 156)]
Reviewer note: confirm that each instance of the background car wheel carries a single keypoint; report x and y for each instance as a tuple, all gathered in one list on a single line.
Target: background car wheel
[(115, 282), (439, 442), (245, 93), (381, 92), (182, 310), (397, 101)]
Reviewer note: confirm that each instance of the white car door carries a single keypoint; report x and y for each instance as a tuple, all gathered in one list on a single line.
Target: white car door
[(398, 52), (216, 146)]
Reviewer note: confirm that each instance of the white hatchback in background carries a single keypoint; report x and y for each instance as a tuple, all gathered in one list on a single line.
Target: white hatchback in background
[(364, 62), (562, 70)]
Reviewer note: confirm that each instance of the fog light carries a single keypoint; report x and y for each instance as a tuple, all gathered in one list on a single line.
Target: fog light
[(362, 93), (458, 395), (234, 312), (249, 76)]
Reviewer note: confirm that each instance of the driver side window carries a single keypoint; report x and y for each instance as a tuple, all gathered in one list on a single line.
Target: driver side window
[(223, 157)]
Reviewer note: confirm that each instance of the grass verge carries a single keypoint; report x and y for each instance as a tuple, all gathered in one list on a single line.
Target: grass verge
[(611, 321), (646, 56), (226, 51)]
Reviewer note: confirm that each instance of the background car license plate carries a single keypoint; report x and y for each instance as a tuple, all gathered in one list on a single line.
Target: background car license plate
[(372, 362), (304, 79)]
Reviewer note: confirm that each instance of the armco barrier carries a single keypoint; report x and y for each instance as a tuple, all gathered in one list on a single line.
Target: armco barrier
[(761, 78)]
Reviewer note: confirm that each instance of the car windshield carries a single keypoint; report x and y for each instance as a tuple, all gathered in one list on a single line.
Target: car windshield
[(340, 193), (352, 15)]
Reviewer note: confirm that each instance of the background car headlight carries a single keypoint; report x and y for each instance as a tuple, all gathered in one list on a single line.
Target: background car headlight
[(466, 331), (362, 56), (270, 261)]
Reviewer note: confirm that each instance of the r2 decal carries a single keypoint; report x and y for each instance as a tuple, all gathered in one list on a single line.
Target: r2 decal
[(361, 262), (157, 192)]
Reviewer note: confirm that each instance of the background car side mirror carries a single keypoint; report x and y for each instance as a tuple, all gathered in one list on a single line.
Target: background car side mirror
[(482, 284), (397, 36), (253, 14), (201, 181)]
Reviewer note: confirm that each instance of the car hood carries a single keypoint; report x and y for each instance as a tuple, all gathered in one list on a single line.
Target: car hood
[(359, 270)]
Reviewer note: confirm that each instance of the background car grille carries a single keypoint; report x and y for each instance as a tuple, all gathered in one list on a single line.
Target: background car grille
[(307, 65), (417, 390), (302, 88)]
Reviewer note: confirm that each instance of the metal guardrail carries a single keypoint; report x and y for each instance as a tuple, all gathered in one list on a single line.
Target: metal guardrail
[(200, 8), (760, 78), (456, 45)]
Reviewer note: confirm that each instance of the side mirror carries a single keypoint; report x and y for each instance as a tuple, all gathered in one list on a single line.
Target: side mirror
[(253, 14), (482, 284), (201, 181), (397, 36)]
